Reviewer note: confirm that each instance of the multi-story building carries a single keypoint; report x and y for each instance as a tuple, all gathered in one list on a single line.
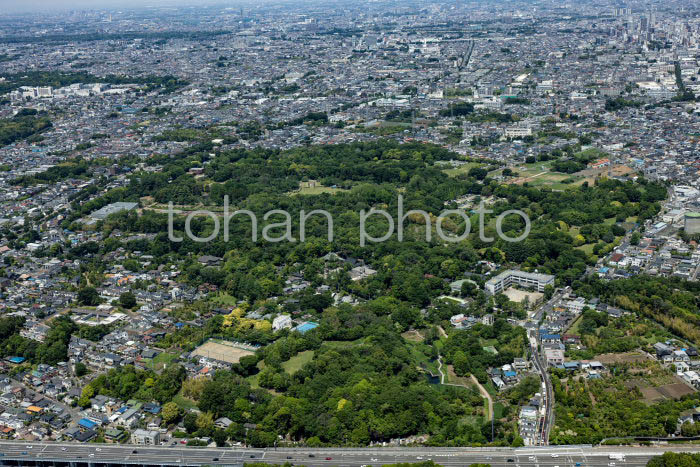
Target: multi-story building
[(525, 279), (147, 437)]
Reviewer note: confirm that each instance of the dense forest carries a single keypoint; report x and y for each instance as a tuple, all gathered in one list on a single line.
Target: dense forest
[(366, 175), (25, 124)]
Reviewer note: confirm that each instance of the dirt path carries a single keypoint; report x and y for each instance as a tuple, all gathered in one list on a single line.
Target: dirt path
[(482, 390), (485, 394)]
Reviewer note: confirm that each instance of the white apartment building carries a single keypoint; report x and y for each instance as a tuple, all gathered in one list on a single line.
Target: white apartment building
[(525, 279)]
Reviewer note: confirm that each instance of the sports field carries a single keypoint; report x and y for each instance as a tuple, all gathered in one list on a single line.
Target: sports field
[(221, 350)]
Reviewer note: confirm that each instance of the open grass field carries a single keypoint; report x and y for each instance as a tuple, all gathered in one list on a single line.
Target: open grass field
[(160, 361), (498, 410), (413, 336), (183, 402), (539, 174), (317, 190), (419, 353), (219, 350), (292, 365), (313, 187), (462, 169), (587, 248), (452, 378), (224, 299)]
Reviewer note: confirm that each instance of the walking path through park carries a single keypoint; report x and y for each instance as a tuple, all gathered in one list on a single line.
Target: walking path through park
[(485, 394), (482, 390)]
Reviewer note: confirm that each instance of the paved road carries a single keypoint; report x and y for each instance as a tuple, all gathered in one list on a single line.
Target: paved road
[(165, 455)]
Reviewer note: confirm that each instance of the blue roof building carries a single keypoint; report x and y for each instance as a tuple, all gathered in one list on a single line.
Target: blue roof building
[(86, 423)]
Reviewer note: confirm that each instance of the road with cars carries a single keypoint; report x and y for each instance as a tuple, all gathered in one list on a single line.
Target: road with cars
[(18, 453)]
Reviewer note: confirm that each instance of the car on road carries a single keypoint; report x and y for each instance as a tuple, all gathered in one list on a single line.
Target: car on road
[(555, 455), (63, 449), (29, 446), (98, 449), (312, 455), (24, 453), (329, 458), (215, 459), (374, 459), (511, 460), (92, 454), (289, 457), (135, 451), (420, 458)]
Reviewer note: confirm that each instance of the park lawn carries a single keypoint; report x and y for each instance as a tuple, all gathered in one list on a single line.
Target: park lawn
[(317, 190), (421, 359), (413, 336), (462, 169), (555, 181), (183, 402), (161, 360), (489, 342), (498, 410), (574, 327), (224, 299), (588, 248), (292, 365), (253, 380), (533, 169)]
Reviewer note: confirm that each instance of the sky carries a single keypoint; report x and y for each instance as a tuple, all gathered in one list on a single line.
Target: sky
[(42, 6)]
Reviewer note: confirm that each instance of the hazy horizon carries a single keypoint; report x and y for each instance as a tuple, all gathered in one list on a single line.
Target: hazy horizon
[(43, 6)]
